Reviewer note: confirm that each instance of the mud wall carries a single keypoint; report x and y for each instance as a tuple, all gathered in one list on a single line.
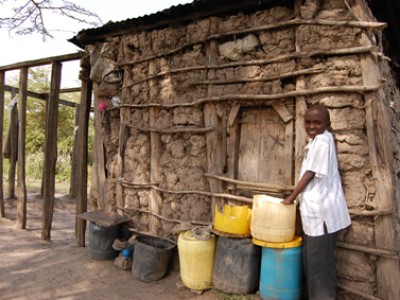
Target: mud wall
[(156, 138)]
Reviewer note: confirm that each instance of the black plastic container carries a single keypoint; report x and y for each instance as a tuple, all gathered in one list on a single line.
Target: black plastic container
[(237, 266), (151, 258), (101, 240)]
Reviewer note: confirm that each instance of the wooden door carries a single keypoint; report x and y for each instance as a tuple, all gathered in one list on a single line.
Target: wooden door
[(265, 147)]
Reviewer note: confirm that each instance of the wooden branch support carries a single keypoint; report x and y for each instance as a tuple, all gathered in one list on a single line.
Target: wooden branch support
[(368, 249), (261, 79), (148, 185), (99, 157), (43, 61), (371, 213), (232, 80), (286, 57), (296, 22), (282, 111), (155, 201), (2, 82), (193, 222), (73, 186), (264, 97), (40, 96), (141, 232), (21, 185), (278, 25), (12, 138), (50, 157), (219, 195), (173, 129), (154, 186), (379, 136), (82, 148), (268, 187)]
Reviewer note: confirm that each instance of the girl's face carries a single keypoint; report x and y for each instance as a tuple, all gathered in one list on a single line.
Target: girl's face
[(315, 122)]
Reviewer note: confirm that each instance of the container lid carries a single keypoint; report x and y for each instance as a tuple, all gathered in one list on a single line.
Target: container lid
[(297, 241), (197, 234), (104, 218)]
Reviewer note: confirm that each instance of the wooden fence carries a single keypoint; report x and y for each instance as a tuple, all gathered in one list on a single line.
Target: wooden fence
[(80, 157)]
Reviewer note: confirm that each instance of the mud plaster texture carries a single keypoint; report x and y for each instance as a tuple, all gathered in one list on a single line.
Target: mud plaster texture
[(153, 74)]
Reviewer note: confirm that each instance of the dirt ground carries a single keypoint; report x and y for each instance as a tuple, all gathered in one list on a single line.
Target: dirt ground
[(34, 269)]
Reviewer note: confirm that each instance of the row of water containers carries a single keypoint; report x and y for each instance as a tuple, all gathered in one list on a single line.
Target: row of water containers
[(253, 249)]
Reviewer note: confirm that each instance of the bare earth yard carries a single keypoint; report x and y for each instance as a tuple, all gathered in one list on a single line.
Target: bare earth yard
[(34, 269)]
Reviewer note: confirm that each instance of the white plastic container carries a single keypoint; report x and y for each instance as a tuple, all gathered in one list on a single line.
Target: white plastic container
[(272, 221)]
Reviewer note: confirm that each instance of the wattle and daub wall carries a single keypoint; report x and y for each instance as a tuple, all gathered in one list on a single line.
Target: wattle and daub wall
[(180, 86)]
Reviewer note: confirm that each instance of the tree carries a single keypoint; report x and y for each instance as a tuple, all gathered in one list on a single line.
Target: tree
[(29, 16), (39, 82)]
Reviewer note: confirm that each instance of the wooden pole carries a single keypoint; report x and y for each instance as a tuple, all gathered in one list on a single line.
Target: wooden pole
[(43, 61), (381, 160), (82, 148), (98, 169), (155, 142), (21, 186), (215, 152), (73, 191), (301, 107), (13, 139), (2, 82), (50, 157)]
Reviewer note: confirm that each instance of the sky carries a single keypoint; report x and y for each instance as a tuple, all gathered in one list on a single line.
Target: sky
[(17, 48)]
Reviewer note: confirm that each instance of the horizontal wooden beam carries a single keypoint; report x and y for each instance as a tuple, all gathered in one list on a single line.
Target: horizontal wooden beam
[(42, 61), (370, 213), (42, 96), (70, 90), (264, 97), (271, 187), (369, 249)]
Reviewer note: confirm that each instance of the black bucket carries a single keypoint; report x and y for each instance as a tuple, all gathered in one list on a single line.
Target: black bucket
[(101, 240), (151, 258), (236, 266)]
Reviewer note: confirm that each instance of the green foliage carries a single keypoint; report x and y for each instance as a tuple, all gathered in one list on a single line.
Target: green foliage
[(39, 82), (34, 165)]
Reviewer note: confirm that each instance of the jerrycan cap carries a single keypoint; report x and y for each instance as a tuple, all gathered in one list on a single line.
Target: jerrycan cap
[(199, 233)]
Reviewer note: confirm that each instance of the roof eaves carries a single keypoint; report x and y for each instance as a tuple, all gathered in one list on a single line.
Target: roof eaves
[(176, 14)]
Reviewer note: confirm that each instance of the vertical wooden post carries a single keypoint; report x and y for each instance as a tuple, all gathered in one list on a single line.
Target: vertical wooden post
[(381, 159), (301, 107), (21, 186), (233, 144), (50, 157), (73, 191), (155, 199), (2, 82), (82, 148), (215, 145), (98, 169), (13, 140)]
